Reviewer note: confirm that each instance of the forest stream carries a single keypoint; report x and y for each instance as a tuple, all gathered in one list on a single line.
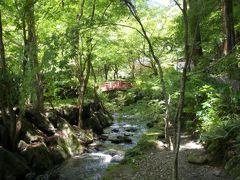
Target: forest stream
[(109, 148)]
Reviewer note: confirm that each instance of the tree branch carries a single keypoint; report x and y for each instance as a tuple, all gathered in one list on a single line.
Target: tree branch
[(179, 6)]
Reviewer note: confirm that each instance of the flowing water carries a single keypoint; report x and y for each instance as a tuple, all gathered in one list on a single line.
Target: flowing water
[(101, 153)]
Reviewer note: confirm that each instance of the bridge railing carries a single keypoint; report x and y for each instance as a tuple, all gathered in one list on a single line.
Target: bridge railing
[(115, 86)]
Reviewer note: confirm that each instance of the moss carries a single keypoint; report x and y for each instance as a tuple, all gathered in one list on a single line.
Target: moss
[(233, 166), (116, 172)]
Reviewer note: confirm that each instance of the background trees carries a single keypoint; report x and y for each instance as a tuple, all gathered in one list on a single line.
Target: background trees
[(59, 50)]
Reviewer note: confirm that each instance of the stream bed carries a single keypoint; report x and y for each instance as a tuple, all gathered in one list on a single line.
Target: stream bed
[(108, 149)]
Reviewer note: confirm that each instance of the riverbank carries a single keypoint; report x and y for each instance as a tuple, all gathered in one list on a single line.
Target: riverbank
[(151, 160)]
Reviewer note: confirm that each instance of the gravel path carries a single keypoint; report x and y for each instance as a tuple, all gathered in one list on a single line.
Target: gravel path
[(158, 166)]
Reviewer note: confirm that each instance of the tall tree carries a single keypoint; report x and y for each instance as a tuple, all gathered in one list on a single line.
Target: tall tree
[(134, 13), (178, 115), (3, 88), (195, 34), (83, 56), (32, 54), (6, 105), (229, 32)]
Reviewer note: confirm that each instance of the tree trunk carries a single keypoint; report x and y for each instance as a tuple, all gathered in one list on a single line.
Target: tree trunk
[(230, 39), (3, 78), (25, 55), (167, 118), (133, 67), (194, 23), (182, 92), (6, 106), (83, 63), (106, 69), (83, 81), (115, 73), (38, 102), (155, 71), (229, 42)]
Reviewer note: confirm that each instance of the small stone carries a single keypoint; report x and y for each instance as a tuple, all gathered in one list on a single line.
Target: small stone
[(217, 173), (196, 158)]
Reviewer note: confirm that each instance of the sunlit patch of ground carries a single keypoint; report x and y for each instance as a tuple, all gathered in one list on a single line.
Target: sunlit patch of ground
[(190, 145)]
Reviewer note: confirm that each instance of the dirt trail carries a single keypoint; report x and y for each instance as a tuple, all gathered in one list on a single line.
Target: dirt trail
[(157, 165)]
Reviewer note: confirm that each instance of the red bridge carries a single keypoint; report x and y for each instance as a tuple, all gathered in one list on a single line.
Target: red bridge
[(115, 86)]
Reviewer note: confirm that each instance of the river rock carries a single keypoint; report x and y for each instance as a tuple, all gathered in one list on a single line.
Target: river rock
[(65, 137), (11, 166), (38, 157), (128, 134), (197, 158), (115, 130), (120, 139), (103, 137), (22, 145), (86, 137), (58, 154), (117, 158), (130, 129)]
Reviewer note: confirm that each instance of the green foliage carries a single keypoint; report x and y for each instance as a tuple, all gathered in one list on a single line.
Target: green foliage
[(218, 121)]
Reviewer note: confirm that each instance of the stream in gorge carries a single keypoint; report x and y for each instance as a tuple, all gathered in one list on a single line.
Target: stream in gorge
[(108, 149)]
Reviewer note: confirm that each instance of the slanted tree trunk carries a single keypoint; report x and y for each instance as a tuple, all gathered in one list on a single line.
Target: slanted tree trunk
[(38, 102), (182, 90), (152, 62), (155, 71), (194, 23), (167, 118)]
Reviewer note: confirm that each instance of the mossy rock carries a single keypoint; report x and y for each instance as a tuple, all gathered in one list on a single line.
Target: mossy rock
[(30, 133), (197, 158), (66, 137), (58, 154), (38, 157), (40, 121), (11, 166)]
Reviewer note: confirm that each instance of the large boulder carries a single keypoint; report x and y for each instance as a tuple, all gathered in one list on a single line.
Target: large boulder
[(40, 121), (38, 157), (30, 133), (84, 136), (98, 121), (43, 151), (71, 114), (11, 166), (65, 137)]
